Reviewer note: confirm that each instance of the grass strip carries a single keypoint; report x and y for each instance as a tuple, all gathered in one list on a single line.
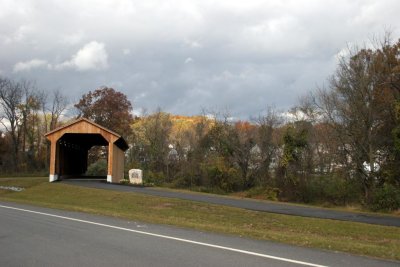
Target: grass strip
[(357, 238)]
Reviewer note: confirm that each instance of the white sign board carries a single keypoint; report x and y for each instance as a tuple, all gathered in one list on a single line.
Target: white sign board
[(135, 176)]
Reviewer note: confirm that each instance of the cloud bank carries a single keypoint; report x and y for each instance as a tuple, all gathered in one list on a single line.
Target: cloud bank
[(187, 55)]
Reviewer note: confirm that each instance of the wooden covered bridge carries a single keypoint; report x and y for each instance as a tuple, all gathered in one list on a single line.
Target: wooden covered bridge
[(71, 143)]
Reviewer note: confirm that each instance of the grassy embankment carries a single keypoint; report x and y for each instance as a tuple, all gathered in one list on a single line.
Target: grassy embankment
[(363, 239)]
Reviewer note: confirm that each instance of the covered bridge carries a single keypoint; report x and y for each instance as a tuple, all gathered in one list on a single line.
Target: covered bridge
[(71, 143)]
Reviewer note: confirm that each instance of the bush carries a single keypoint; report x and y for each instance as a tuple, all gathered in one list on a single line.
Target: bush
[(260, 192), (153, 178), (124, 181), (98, 168), (338, 190), (220, 175), (386, 198), (332, 189), (180, 182)]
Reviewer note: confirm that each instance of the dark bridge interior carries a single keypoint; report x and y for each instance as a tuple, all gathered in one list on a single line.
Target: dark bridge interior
[(72, 153)]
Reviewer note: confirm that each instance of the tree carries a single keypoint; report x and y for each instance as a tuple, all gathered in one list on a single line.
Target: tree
[(11, 98), (294, 164), (388, 62), (109, 108), (3, 149), (244, 136), (29, 110), (52, 110), (266, 141), (359, 106), (157, 128), (58, 104)]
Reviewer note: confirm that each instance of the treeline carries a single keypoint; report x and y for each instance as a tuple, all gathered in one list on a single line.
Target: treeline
[(340, 145)]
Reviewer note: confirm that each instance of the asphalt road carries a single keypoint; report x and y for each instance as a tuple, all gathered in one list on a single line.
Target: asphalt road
[(33, 236), (280, 208)]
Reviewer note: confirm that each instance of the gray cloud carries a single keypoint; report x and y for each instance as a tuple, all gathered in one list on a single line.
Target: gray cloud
[(187, 55)]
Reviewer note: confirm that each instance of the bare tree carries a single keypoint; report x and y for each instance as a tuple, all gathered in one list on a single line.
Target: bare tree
[(10, 99), (52, 110), (28, 108), (55, 107)]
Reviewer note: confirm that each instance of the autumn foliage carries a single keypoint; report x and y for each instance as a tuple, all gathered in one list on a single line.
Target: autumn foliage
[(107, 107)]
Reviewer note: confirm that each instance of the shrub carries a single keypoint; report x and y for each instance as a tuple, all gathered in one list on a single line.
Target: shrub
[(220, 175), (338, 190), (98, 168), (153, 178), (180, 182), (124, 181), (332, 189), (260, 192), (386, 198)]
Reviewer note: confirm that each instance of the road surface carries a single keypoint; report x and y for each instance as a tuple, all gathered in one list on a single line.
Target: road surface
[(33, 236), (267, 206)]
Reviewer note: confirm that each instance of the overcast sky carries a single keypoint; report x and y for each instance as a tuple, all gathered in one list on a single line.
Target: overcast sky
[(187, 55)]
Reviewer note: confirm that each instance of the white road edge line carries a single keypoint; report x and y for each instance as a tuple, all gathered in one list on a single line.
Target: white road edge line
[(170, 237)]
